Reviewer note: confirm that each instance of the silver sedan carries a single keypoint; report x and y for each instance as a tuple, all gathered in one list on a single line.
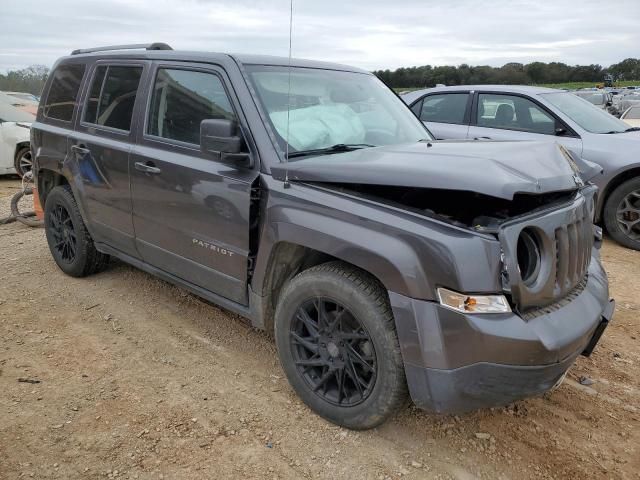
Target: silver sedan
[(502, 112)]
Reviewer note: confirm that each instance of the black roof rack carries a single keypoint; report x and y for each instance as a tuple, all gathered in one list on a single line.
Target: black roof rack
[(136, 46)]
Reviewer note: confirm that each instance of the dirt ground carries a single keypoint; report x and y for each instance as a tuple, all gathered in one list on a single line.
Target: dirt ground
[(139, 379)]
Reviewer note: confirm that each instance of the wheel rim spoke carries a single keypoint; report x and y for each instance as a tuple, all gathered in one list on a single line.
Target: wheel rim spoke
[(628, 215), (61, 228), (333, 352), (306, 343)]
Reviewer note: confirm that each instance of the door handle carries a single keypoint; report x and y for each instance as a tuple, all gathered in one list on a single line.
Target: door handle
[(482, 138), (80, 149), (148, 167)]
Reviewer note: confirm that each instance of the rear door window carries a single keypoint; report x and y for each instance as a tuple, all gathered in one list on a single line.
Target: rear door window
[(63, 92), (182, 99), (445, 108), (112, 96)]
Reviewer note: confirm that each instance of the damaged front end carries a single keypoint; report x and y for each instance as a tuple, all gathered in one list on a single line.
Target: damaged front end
[(546, 239), (529, 196), (503, 287)]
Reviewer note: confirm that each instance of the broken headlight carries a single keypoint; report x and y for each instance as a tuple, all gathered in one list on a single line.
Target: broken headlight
[(473, 303)]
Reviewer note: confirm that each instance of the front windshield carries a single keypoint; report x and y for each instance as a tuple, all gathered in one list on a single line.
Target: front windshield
[(331, 108), (586, 115)]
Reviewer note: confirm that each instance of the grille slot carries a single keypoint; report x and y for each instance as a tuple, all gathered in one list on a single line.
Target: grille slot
[(573, 243)]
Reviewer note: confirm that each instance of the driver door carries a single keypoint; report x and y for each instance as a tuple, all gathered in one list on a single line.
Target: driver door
[(503, 116), (190, 210)]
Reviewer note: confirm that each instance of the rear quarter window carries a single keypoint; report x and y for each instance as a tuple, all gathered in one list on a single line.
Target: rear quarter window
[(63, 92)]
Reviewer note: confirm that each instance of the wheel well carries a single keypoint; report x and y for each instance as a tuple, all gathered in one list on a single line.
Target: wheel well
[(615, 183), (286, 261), (20, 146), (47, 181)]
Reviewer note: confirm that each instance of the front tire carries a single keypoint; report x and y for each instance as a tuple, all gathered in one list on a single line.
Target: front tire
[(622, 214), (338, 345), (69, 240)]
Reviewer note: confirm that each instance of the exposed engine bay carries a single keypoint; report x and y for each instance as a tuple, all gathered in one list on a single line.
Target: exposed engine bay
[(462, 208)]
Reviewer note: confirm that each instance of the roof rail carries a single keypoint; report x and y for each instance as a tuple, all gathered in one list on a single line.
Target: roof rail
[(136, 46)]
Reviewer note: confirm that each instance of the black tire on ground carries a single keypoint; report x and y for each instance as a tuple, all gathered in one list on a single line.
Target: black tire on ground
[(628, 192), (22, 161), (364, 304), (69, 241)]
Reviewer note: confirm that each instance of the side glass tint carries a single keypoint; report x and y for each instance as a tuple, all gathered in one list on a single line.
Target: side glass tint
[(445, 108), (112, 96), (512, 112), (91, 112), (63, 93), (181, 100)]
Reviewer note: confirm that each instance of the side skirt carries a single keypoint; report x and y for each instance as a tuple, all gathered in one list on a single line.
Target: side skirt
[(237, 308)]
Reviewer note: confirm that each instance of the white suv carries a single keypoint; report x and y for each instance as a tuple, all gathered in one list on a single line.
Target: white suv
[(15, 125)]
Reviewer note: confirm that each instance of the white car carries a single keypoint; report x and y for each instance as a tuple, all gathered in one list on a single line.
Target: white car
[(23, 96), (632, 116), (15, 126)]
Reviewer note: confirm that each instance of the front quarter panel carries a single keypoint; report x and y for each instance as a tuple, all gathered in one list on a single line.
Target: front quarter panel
[(410, 254)]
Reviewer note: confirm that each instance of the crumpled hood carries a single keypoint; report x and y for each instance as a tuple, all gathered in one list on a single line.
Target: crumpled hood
[(497, 169)]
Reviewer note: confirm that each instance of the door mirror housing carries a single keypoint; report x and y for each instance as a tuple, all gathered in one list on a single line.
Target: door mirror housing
[(222, 137)]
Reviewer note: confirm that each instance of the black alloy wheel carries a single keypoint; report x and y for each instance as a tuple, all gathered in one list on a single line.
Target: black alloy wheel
[(69, 240), (65, 240), (338, 346), (333, 352)]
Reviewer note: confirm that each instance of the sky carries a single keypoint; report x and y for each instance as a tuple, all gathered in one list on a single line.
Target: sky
[(371, 34)]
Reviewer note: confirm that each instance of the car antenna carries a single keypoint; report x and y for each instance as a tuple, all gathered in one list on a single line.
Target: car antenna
[(286, 155)]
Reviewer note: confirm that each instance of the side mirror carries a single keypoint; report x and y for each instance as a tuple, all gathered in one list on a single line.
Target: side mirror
[(609, 104), (560, 131), (222, 138)]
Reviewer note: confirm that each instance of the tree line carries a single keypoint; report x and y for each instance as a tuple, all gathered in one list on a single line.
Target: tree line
[(32, 78), (510, 74), (29, 80)]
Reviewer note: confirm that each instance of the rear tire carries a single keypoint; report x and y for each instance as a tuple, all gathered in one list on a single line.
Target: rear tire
[(345, 363), (69, 240), (622, 214)]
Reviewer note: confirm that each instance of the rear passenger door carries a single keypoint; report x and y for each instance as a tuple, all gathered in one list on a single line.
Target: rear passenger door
[(446, 115), (191, 210), (100, 147)]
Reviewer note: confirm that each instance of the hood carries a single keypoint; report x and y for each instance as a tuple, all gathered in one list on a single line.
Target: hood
[(14, 112), (497, 169)]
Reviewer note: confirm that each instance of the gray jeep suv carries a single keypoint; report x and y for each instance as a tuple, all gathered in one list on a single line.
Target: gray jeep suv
[(311, 201)]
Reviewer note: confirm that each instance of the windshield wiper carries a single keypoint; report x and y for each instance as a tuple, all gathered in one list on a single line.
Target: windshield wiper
[(633, 129), (337, 148), (613, 132)]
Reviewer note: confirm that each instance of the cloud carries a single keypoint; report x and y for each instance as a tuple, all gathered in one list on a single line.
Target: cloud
[(370, 34)]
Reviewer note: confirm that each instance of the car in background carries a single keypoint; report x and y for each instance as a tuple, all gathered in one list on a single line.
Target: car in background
[(30, 106), (629, 100), (601, 99), (23, 96), (508, 112), (15, 150), (631, 116)]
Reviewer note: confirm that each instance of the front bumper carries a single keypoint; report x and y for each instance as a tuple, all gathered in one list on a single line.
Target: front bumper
[(456, 362)]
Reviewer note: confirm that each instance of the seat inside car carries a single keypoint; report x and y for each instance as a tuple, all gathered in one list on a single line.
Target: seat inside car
[(504, 115)]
